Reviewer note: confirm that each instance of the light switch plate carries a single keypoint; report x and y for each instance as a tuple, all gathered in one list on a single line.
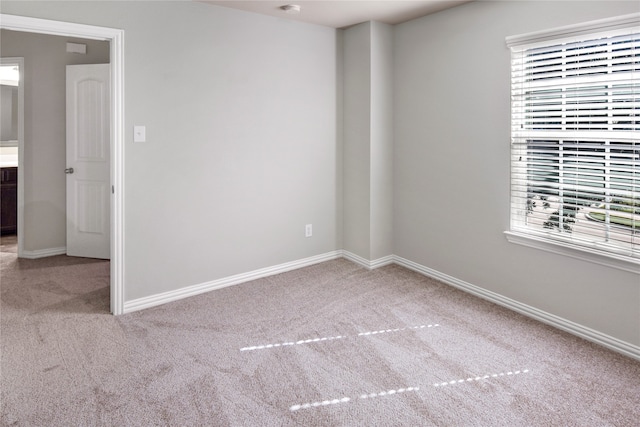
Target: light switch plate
[(139, 133)]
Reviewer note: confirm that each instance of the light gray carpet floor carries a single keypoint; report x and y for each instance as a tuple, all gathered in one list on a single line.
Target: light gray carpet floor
[(328, 345)]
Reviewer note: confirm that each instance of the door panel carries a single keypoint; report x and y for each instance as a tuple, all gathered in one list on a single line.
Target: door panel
[(91, 197), (88, 169)]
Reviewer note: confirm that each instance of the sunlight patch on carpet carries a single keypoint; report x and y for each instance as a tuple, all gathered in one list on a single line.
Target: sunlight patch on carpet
[(348, 399), (394, 392), (479, 378), (384, 331), (339, 337), (285, 344)]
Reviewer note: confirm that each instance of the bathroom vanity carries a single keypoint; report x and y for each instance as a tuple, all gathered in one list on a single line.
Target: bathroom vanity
[(8, 200)]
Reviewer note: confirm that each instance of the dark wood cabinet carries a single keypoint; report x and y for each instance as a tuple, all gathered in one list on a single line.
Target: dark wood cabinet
[(8, 200)]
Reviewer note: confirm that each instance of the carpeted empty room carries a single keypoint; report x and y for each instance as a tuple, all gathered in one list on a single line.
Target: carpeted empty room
[(333, 344), (332, 213)]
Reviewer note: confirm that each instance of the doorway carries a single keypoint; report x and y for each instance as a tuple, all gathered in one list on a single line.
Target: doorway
[(11, 129), (116, 39)]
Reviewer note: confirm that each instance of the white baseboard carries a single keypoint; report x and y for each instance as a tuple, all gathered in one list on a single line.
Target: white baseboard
[(366, 263), (589, 334), (178, 294), (43, 253)]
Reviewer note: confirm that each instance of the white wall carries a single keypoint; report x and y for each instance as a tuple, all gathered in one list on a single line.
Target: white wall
[(357, 139), (381, 140), (452, 164), (45, 61), (368, 140), (240, 111)]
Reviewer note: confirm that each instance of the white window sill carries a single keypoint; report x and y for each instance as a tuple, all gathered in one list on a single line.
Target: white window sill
[(620, 262)]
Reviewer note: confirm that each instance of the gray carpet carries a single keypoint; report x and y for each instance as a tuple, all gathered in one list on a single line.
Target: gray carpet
[(327, 345)]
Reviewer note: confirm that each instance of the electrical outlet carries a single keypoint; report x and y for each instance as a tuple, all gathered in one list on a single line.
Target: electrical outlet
[(308, 230)]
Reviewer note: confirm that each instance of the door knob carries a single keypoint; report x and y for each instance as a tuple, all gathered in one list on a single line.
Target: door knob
[(68, 170)]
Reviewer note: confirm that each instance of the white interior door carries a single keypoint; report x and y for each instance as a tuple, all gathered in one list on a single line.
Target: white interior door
[(88, 155)]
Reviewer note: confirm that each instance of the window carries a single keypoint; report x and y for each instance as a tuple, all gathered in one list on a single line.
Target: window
[(575, 139)]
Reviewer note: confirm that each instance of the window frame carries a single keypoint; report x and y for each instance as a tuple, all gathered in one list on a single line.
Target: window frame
[(541, 240)]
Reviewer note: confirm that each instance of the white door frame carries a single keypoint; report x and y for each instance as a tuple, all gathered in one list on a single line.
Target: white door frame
[(116, 39)]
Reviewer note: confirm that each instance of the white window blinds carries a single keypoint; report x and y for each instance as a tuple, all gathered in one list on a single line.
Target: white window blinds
[(575, 105)]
